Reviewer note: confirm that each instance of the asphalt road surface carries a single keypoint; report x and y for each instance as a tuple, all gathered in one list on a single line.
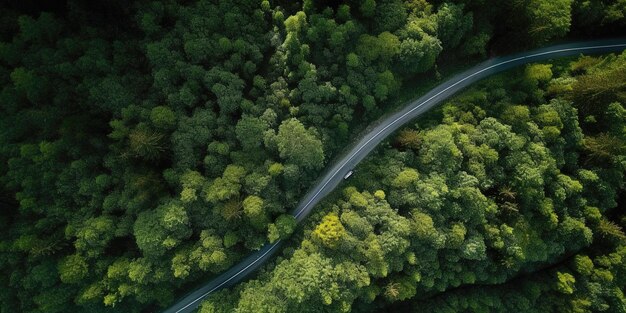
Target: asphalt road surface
[(378, 132)]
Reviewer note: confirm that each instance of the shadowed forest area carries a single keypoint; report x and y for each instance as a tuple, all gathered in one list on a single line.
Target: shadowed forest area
[(147, 146)]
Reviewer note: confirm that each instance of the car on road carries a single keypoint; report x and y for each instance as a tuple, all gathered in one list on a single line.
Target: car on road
[(348, 174)]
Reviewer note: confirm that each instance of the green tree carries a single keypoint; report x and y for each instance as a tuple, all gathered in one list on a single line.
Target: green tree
[(253, 209), (298, 145), (162, 229), (163, 117), (548, 19), (368, 7), (93, 235), (227, 186), (330, 230), (72, 269), (281, 228), (419, 55), (250, 132), (452, 24)]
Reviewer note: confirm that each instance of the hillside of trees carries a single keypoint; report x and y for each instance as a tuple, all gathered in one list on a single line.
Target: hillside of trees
[(513, 176), (147, 146), (592, 281)]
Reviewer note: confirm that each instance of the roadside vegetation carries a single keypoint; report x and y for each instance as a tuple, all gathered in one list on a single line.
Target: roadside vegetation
[(516, 175), (148, 146)]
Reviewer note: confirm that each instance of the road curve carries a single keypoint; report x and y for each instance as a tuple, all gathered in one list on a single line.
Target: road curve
[(379, 132)]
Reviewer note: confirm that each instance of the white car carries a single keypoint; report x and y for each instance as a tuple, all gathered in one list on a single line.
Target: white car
[(348, 174)]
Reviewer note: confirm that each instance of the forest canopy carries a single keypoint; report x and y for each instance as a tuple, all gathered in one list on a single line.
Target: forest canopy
[(147, 146), (485, 205)]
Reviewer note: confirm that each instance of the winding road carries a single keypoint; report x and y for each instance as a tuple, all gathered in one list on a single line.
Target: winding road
[(381, 129)]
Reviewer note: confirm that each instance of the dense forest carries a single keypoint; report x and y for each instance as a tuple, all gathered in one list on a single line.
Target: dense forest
[(147, 146), (479, 192)]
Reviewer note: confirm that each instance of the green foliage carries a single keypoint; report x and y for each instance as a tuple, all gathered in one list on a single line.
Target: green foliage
[(250, 132), (452, 24), (330, 231), (368, 7), (282, 228), (405, 178), (163, 117), (93, 235), (381, 48), (549, 19), (253, 209), (275, 169), (539, 72), (227, 186), (145, 144), (73, 269), (565, 283), (485, 191), (389, 15), (162, 229), (298, 145), (143, 155), (191, 182)]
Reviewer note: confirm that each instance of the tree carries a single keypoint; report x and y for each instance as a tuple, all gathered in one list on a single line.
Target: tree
[(368, 7), (389, 15), (409, 138), (94, 235), (28, 83), (143, 155), (439, 151), (516, 116), (250, 132), (191, 136), (191, 181), (548, 19), (405, 178), (604, 147), (73, 269), (539, 72), (614, 13), (477, 45), (162, 229), (275, 169), (452, 24), (565, 283), (227, 186), (474, 249), (381, 48), (146, 144), (163, 117), (253, 209), (298, 145), (281, 228), (330, 231), (592, 92), (419, 55)]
